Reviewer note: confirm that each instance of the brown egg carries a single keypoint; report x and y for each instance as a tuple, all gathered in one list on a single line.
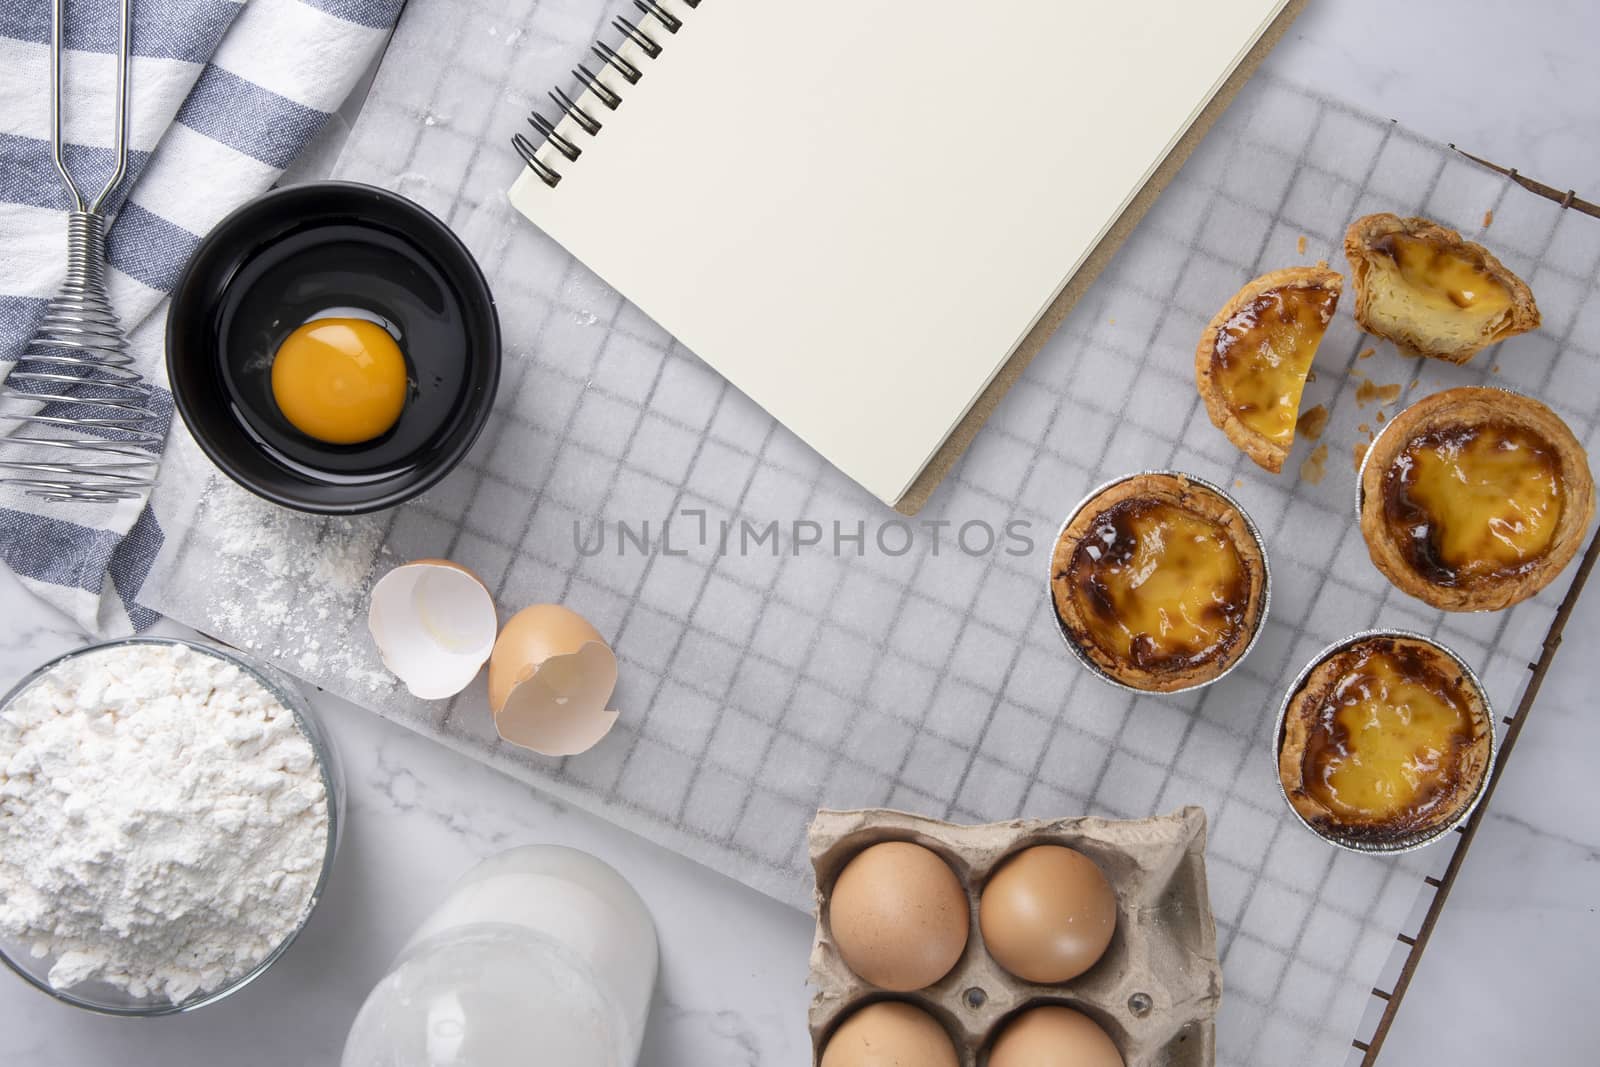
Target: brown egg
[(898, 916), (890, 1034), (1053, 1036), (1047, 914)]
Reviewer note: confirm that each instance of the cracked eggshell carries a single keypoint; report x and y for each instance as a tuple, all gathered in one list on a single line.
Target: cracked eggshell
[(434, 624), (550, 676)]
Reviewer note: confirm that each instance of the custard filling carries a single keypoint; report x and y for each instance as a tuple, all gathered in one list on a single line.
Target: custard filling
[(1439, 280), (1386, 745), (1264, 352), (1158, 585), (1474, 502)]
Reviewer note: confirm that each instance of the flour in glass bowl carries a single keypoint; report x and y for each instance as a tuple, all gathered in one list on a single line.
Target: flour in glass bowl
[(163, 821)]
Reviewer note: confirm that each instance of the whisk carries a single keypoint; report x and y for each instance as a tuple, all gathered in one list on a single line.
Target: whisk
[(80, 426)]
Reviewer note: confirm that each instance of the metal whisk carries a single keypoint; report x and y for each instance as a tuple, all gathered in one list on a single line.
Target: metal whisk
[(79, 417)]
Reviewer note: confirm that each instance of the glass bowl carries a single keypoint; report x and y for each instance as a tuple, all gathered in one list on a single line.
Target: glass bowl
[(107, 999)]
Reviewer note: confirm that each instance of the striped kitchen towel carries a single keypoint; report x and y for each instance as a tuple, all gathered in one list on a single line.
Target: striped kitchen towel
[(223, 95)]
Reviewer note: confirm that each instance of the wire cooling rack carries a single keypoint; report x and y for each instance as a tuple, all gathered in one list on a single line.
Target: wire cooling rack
[(758, 686)]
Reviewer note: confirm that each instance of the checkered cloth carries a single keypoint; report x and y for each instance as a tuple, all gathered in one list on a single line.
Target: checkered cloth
[(223, 96)]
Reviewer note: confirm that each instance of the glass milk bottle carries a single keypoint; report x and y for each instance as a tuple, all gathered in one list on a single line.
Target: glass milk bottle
[(539, 955)]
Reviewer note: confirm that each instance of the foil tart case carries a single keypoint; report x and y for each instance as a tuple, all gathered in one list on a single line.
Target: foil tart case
[(1420, 839), (1083, 657)]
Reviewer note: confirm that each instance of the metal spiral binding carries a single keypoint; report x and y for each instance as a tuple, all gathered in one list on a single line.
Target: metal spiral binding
[(76, 412), (630, 72)]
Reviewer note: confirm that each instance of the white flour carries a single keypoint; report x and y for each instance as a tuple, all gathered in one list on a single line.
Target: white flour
[(265, 570), (162, 821)]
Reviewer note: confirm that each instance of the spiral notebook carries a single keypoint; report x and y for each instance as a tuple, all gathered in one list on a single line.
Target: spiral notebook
[(967, 158)]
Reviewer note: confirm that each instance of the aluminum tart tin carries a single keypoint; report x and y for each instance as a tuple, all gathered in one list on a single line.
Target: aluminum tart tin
[(105, 999), (1422, 837), (1372, 446), (1083, 657)]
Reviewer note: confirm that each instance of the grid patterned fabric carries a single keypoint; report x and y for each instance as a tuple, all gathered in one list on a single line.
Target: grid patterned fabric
[(758, 687)]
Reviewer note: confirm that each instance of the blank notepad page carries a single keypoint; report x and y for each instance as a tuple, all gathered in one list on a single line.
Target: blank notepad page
[(856, 209)]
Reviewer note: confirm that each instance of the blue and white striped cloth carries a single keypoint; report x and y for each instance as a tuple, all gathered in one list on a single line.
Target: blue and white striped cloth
[(223, 96)]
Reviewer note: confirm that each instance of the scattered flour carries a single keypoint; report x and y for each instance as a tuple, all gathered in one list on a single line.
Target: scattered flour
[(290, 586), (163, 821)]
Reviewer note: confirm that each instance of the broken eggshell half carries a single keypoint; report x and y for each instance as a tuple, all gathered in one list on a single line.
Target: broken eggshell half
[(550, 676), (434, 624)]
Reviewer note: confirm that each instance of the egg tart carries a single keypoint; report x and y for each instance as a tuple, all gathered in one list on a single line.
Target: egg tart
[(1253, 358), (1432, 292), (1159, 582), (1475, 499), (1385, 742)]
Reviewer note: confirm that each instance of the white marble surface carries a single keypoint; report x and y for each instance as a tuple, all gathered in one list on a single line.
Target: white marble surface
[(1522, 930)]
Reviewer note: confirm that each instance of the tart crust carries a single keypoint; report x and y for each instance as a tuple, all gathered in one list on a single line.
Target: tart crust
[(1265, 451), (1468, 407), (1361, 248), (1458, 779), (1199, 500)]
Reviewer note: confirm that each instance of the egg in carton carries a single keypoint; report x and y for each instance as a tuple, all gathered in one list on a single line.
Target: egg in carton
[(1154, 990)]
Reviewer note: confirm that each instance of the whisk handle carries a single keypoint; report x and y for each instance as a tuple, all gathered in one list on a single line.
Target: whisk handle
[(86, 250)]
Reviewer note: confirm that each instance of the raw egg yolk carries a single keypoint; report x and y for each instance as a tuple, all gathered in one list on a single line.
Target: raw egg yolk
[(341, 381)]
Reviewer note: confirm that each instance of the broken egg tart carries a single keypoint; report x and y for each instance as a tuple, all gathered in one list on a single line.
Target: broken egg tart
[(1385, 742), (1253, 358), (1431, 291), (1475, 499), (1159, 582)]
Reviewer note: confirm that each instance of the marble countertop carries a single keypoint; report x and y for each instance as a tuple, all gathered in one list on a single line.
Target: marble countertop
[(1523, 925)]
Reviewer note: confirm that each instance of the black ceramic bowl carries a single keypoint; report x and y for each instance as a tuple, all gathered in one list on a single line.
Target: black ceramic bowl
[(310, 251)]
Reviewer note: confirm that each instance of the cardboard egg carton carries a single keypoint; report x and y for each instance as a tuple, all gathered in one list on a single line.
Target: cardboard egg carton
[(1156, 989)]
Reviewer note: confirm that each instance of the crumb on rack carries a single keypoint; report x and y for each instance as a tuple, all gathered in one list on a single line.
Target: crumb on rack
[(1366, 353), (1381, 417), (1488, 218), (1300, 245), (1315, 465), (1361, 454), (1312, 422), (1311, 376), (1384, 394)]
